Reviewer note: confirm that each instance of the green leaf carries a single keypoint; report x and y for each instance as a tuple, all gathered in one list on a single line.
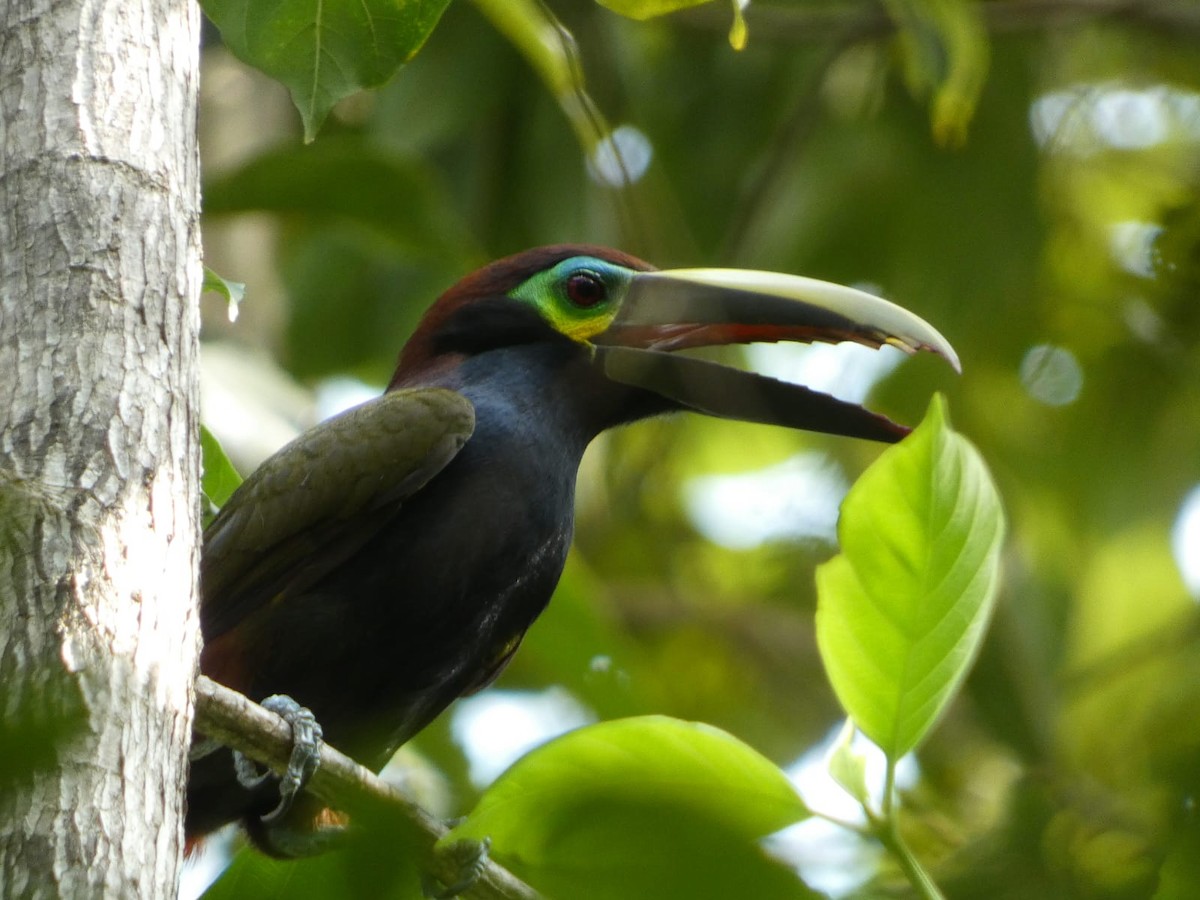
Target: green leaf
[(392, 196), (647, 9), (323, 52), (848, 766), (234, 292), (641, 807), (220, 478), (901, 612)]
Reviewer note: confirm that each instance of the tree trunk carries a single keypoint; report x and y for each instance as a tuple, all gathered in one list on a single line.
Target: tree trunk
[(99, 279)]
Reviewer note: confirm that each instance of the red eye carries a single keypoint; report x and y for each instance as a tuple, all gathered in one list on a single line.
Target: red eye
[(586, 289)]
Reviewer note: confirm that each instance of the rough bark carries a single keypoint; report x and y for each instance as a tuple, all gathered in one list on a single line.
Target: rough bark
[(99, 277)]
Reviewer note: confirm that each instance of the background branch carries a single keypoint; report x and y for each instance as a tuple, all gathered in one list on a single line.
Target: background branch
[(858, 21), (233, 720)]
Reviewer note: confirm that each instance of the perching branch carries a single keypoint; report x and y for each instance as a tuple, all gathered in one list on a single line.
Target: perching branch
[(233, 720)]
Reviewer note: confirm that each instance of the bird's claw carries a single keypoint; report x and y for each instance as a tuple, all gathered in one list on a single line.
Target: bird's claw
[(469, 858), (305, 758)]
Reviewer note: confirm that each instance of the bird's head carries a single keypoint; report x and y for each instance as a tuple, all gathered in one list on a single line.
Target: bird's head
[(625, 320)]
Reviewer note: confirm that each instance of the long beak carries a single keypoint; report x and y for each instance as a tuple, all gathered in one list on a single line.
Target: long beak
[(674, 310)]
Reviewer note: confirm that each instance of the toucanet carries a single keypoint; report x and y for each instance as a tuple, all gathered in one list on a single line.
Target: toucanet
[(391, 559)]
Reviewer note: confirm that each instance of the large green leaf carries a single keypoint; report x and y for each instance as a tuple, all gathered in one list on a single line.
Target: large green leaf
[(323, 52), (902, 610), (641, 807)]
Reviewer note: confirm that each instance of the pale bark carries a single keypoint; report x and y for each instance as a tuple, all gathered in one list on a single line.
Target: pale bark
[(99, 277)]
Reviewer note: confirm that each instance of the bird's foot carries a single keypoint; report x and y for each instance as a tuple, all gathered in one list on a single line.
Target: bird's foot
[(305, 758), (468, 858)]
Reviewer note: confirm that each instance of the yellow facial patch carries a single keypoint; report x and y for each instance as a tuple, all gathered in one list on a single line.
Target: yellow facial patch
[(578, 297)]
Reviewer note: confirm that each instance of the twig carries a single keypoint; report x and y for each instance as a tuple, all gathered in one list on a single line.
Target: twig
[(231, 719), (859, 21)]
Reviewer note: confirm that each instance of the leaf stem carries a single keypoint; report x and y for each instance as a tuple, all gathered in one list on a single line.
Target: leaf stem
[(889, 836), (886, 827), (889, 792), (866, 831)]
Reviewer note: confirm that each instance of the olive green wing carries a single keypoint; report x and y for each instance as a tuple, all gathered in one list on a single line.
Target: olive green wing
[(322, 496)]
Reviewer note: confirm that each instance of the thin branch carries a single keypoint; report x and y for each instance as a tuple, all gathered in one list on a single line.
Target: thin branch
[(233, 720), (860, 21)]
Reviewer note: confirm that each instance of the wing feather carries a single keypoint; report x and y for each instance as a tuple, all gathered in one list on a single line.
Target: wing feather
[(318, 499)]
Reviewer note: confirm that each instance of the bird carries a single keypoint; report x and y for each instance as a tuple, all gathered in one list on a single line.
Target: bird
[(391, 559)]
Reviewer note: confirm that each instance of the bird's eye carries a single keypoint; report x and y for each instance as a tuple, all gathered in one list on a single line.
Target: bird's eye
[(586, 289)]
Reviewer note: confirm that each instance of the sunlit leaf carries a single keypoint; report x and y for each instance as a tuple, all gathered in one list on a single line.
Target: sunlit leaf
[(902, 610), (323, 52), (233, 291), (848, 766), (642, 807)]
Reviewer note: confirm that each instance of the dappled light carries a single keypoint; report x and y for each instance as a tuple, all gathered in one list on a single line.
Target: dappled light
[(794, 500), (1085, 118), (621, 157), (1051, 375), (1185, 540), (498, 728)]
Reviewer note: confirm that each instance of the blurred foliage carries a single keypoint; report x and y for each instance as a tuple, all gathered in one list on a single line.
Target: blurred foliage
[(1052, 204)]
